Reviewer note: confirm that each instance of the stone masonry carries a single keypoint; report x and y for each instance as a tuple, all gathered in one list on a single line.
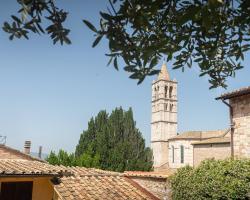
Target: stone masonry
[(241, 119), (164, 117)]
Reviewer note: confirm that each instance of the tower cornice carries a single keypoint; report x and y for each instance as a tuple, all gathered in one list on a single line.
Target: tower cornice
[(169, 122), (167, 99), (168, 81)]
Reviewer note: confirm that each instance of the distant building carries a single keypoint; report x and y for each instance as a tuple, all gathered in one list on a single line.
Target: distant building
[(173, 150)]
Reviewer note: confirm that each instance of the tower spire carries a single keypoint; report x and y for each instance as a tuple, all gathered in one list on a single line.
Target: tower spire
[(164, 72)]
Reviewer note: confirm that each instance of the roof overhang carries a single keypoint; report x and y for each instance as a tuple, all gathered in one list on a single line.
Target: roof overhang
[(235, 93)]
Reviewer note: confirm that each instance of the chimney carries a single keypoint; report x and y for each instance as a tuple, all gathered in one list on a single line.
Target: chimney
[(27, 146), (40, 152)]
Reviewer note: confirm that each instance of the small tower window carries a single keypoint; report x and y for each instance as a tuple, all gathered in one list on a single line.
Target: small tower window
[(182, 154), (165, 107), (166, 91), (171, 107), (172, 154), (156, 92), (170, 91)]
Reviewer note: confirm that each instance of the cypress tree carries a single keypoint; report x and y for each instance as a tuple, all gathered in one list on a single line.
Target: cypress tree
[(113, 142)]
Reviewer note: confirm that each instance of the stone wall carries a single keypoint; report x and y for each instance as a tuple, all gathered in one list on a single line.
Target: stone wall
[(241, 119), (188, 153), (157, 186), (205, 151), (160, 155)]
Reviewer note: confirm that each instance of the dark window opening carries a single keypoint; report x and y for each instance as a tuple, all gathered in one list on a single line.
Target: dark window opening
[(16, 190), (166, 91), (171, 107), (170, 91), (182, 154), (165, 106), (172, 154)]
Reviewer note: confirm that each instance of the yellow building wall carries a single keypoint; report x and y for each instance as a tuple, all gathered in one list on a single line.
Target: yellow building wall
[(42, 187)]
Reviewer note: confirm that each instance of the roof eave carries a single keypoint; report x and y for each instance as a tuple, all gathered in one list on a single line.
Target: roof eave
[(28, 175)]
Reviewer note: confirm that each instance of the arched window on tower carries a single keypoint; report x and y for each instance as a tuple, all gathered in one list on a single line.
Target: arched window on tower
[(170, 91), (166, 92), (172, 154), (182, 153)]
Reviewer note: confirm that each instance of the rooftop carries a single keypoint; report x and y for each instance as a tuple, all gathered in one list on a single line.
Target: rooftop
[(220, 140), (153, 174), (199, 135), (101, 187), (235, 93), (17, 167), (78, 182), (7, 152)]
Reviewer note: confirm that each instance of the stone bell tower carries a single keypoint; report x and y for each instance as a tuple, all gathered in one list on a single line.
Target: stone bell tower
[(164, 117)]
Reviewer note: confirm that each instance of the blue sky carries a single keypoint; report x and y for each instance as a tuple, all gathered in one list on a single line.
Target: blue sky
[(49, 92)]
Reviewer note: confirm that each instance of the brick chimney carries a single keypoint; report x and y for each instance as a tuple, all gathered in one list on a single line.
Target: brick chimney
[(40, 152), (27, 146)]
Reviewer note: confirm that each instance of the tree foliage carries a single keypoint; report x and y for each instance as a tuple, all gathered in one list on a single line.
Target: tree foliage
[(116, 142), (62, 158), (33, 14), (212, 33), (213, 179), (111, 142)]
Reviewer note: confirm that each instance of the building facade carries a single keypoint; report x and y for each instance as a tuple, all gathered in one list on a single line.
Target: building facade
[(172, 150), (238, 102)]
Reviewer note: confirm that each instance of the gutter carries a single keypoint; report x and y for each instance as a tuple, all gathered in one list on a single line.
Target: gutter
[(231, 126)]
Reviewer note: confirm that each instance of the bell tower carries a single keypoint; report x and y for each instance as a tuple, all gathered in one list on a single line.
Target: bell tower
[(164, 116)]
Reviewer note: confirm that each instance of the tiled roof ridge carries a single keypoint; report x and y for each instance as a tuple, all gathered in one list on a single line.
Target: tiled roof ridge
[(96, 175), (151, 174)]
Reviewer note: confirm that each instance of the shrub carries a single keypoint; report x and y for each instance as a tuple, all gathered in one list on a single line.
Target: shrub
[(213, 179)]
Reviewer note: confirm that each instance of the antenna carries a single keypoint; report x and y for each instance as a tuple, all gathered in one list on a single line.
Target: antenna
[(3, 139)]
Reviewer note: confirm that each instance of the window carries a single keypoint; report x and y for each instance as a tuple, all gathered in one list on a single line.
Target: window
[(172, 154), (170, 91), (166, 91), (182, 154), (171, 107), (165, 106), (16, 190), (156, 92)]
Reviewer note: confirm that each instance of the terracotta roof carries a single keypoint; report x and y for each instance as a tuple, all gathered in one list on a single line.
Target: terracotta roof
[(153, 174), (82, 171), (15, 152), (235, 93), (164, 73), (18, 167), (214, 141), (198, 135), (100, 187)]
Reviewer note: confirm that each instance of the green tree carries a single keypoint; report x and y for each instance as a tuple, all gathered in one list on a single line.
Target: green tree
[(62, 158), (113, 142), (52, 158), (213, 179), (212, 33)]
